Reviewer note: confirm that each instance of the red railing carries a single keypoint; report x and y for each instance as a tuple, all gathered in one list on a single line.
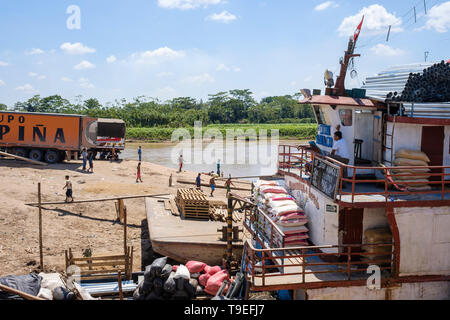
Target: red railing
[(262, 228), (278, 267), (297, 161)]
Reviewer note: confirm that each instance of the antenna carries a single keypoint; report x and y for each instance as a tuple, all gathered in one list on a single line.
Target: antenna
[(426, 55)]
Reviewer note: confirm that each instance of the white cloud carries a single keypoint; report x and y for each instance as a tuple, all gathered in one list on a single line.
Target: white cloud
[(165, 74), (37, 76), (201, 78), (34, 51), (223, 17), (439, 18), (156, 56), (376, 21), (111, 59), (224, 67), (165, 92), (4, 64), (76, 48), (326, 5), (27, 88), (65, 79), (385, 50), (187, 4), (83, 65), (85, 83), (2, 83)]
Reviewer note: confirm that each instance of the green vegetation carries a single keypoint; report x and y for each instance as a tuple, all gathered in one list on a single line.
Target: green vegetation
[(286, 131), (150, 119)]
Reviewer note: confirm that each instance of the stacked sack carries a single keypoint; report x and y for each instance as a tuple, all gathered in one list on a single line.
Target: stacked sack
[(163, 281), (407, 158), (276, 203), (377, 236)]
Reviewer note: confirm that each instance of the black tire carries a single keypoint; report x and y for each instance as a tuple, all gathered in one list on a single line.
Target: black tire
[(21, 152), (36, 155), (51, 156)]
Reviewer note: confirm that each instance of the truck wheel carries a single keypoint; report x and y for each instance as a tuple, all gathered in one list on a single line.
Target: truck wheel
[(21, 152), (51, 156), (36, 155)]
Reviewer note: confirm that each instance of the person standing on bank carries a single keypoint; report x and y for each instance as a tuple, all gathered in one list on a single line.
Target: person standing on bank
[(84, 155), (140, 153), (138, 173), (91, 161), (340, 150), (180, 163), (198, 182), (218, 167)]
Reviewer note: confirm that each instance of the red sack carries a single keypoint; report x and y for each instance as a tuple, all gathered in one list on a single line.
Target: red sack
[(195, 266), (216, 280), (212, 270), (175, 268), (203, 279)]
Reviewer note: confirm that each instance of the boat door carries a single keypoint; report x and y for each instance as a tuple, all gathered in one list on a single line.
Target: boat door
[(377, 136), (351, 227), (433, 145)]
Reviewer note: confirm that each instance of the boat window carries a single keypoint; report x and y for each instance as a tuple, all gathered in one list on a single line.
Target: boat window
[(319, 115), (346, 117)]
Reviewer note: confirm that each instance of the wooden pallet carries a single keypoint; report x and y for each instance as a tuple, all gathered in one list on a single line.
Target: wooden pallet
[(193, 204)]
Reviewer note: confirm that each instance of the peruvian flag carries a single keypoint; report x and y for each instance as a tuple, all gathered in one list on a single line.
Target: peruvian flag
[(358, 31)]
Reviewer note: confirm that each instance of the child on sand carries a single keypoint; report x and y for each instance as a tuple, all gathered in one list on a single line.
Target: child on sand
[(68, 186), (138, 173), (228, 184)]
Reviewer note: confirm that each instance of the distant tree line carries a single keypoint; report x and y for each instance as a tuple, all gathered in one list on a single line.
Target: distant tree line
[(234, 106)]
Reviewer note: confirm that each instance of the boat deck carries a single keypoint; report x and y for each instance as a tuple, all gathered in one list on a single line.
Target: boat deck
[(184, 239)]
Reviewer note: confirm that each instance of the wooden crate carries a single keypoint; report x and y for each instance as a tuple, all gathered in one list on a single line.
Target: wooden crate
[(193, 204)]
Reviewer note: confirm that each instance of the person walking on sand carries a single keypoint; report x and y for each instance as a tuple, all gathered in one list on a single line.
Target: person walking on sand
[(138, 173), (180, 163), (228, 185), (198, 182), (68, 186), (140, 153), (91, 162), (212, 184), (84, 155)]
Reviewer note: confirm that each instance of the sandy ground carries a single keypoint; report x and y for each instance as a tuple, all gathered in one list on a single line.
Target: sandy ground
[(76, 226)]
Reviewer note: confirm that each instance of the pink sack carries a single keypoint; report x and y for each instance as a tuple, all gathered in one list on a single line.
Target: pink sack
[(175, 268), (203, 279), (214, 283), (212, 270), (195, 266), (292, 216)]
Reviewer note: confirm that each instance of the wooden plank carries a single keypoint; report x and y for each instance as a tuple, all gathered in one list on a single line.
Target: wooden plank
[(102, 264), (122, 257), (103, 199), (22, 158), (95, 272)]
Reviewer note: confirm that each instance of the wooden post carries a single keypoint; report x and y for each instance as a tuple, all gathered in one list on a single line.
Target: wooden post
[(230, 228), (120, 285), (120, 208), (124, 212), (41, 253)]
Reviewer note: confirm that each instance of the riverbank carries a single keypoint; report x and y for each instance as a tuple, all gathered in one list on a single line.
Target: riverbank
[(76, 226), (290, 131)]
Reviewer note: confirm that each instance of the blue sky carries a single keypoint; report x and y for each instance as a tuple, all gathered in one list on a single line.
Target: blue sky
[(170, 48)]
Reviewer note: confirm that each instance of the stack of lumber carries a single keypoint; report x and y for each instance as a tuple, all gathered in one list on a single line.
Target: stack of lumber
[(193, 204), (218, 211), (408, 158)]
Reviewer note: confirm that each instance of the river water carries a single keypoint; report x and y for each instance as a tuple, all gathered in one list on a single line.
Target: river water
[(238, 158)]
